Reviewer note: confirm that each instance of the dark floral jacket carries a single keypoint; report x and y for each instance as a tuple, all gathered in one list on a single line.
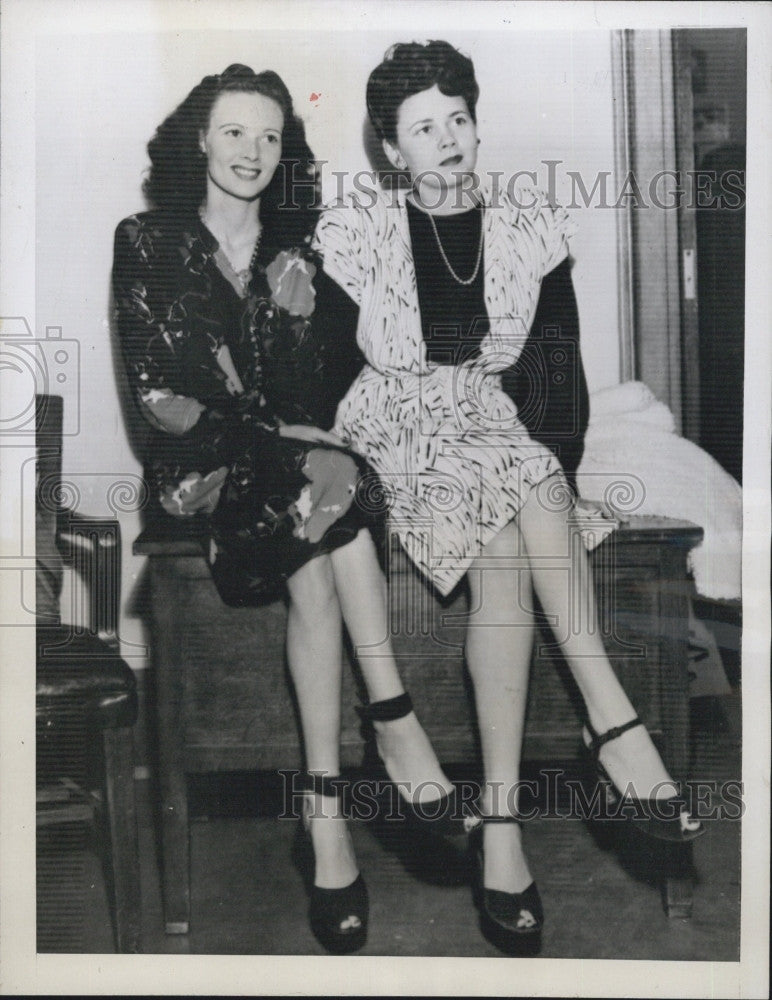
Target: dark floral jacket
[(213, 373)]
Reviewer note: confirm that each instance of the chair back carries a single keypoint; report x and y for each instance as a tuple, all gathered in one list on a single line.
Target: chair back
[(89, 546), (48, 561)]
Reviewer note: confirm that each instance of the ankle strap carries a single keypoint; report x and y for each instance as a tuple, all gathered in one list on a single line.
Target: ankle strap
[(388, 709), (598, 741), (501, 819), (331, 786)]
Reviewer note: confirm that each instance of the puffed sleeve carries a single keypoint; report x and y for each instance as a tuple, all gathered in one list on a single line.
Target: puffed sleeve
[(548, 226), (340, 240), (147, 345)]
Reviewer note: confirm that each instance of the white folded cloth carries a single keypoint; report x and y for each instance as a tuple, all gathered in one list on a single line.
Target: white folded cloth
[(635, 463)]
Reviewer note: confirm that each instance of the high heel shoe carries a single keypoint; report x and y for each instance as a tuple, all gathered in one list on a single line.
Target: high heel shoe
[(444, 815), (511, 921), (662, 819), (338, 917)]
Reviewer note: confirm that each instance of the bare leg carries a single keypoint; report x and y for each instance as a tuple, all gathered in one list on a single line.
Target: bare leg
[(563, 581), (498, 650), (402, 743), (314, 656)]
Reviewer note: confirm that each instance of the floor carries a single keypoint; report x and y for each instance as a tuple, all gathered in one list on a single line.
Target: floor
[(600, 889)]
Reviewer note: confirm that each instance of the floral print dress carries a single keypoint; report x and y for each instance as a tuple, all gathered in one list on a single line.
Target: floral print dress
[(216, 369)]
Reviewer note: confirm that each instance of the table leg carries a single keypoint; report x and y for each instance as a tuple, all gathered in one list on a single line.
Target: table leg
[(167, 648), (124, 848), (678, 885)]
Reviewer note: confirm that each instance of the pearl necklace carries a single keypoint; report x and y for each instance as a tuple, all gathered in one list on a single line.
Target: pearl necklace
[(461, 281), (245, 273)]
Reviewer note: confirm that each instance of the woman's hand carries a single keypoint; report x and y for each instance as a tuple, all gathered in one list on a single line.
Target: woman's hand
[(592, 509), (594, 520), (305, 433), (194, 493)]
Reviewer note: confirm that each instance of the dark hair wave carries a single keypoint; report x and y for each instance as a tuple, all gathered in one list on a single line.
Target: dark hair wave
[(176, 180), (410, 67)]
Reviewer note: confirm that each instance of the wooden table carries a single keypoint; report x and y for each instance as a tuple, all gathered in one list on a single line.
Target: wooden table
[(224, 702)]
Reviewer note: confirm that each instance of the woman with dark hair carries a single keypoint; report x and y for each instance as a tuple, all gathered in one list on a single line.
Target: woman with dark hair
[(215, 300), (449, 276)]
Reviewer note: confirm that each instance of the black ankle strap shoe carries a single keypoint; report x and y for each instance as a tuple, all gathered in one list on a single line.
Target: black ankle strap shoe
[(511, 921), (661, 819), (338, 917), (445, 815)]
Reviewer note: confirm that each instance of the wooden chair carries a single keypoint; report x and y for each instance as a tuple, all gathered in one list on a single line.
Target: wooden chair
[(86, 694)]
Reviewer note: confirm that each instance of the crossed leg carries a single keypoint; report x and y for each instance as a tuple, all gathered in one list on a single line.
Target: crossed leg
[(562, 579), (402, 743), (315, 664), (498, 651), (542, 549)]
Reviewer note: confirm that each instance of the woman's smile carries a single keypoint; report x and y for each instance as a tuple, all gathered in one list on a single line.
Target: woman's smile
[(243, 143), (246, 173)]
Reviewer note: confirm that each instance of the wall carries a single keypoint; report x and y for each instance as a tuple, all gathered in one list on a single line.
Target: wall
[(544, 96)]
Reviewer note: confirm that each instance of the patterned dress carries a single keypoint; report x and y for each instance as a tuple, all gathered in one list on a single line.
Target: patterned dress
[(446, 440), (215, 368)]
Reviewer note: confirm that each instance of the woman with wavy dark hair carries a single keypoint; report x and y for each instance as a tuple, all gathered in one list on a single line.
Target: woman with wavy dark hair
[(449, 276), (215, 293)]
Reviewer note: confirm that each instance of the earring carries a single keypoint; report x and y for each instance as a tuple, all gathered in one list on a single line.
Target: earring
[(401, 162)]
